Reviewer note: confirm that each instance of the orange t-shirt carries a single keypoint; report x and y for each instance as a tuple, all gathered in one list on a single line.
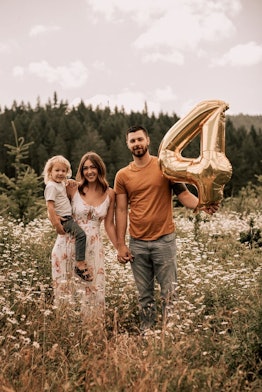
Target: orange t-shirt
[(150, 200)]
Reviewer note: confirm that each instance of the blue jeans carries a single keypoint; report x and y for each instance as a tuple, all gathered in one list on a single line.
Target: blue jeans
[(154, 260), (70, 226)]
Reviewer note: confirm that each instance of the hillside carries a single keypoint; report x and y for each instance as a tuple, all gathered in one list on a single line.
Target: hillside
[(244, 120)]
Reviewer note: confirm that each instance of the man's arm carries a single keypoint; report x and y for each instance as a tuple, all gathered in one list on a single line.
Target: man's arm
[(191, 201), (124, 254), (188, 199)]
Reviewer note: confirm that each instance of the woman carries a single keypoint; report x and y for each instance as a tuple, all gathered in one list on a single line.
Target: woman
[(93, 201)]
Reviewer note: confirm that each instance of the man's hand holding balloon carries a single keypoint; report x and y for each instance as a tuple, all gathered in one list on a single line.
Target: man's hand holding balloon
[(211, 170)]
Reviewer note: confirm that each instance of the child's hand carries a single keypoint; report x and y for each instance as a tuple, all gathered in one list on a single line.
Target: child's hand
[(59, 228)]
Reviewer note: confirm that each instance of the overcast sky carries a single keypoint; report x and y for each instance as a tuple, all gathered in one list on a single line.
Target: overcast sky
[(171, 54)]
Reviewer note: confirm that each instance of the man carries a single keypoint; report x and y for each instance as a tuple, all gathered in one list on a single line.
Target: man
[(142, 187)]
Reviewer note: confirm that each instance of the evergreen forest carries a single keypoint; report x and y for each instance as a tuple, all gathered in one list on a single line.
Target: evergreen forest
[(54, 128)]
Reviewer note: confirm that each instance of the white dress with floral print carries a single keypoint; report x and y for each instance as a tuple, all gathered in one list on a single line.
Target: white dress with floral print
[(68, 287)]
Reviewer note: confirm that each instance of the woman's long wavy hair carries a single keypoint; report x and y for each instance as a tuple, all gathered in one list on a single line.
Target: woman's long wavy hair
[(101, 168)]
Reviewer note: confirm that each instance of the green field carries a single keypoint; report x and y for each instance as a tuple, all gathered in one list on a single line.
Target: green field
[(213, 343)]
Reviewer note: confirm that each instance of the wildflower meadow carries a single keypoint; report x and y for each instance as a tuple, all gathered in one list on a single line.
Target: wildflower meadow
[(212, 343)]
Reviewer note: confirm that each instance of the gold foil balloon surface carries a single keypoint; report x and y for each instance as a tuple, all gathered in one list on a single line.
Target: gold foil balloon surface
[(211, 170)]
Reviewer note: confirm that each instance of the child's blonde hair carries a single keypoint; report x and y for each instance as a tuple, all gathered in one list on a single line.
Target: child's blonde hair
[(50, 163)]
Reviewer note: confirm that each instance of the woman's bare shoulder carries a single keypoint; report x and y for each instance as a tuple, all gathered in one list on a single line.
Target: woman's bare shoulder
[(111, 193)]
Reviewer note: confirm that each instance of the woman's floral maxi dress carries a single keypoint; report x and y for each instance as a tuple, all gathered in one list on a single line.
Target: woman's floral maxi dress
[(68, 287)]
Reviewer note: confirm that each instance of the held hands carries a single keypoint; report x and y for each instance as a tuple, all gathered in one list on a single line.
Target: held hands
[(124, 255)]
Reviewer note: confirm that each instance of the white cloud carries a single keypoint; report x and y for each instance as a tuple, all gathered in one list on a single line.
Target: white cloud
[(165, 94), (241, 55), (72, 76), (18, 71), (139, 11), (187, 106), (174, 57), (145, 11), (130, 101), (184, 27), (100, 66), (41, 29), (175, 24), (4, 48)]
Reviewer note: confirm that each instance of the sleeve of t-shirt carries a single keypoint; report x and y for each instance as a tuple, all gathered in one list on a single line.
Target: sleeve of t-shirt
[(50, 192), (178, 187), (118, 185)]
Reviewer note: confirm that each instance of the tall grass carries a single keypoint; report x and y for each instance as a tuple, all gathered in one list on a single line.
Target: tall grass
[(213, 343)]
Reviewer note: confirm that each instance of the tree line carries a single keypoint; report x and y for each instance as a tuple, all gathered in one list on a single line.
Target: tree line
[(54, 129)]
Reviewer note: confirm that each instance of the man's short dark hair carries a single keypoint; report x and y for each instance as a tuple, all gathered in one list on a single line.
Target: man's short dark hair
[(135, 128)]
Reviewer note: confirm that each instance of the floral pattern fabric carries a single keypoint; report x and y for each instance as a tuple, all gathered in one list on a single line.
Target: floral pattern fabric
[(68, 287)]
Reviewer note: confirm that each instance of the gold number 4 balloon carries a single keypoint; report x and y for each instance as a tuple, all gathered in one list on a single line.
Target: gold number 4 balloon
[(211, 170)]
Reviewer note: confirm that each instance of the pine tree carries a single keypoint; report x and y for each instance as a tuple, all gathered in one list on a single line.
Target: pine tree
[(20, 194)]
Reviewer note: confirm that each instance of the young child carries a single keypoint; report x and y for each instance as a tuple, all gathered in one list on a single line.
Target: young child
[(57, 170)]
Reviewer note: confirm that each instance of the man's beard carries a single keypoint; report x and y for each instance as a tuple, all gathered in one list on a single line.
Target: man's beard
[(140, 152)]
